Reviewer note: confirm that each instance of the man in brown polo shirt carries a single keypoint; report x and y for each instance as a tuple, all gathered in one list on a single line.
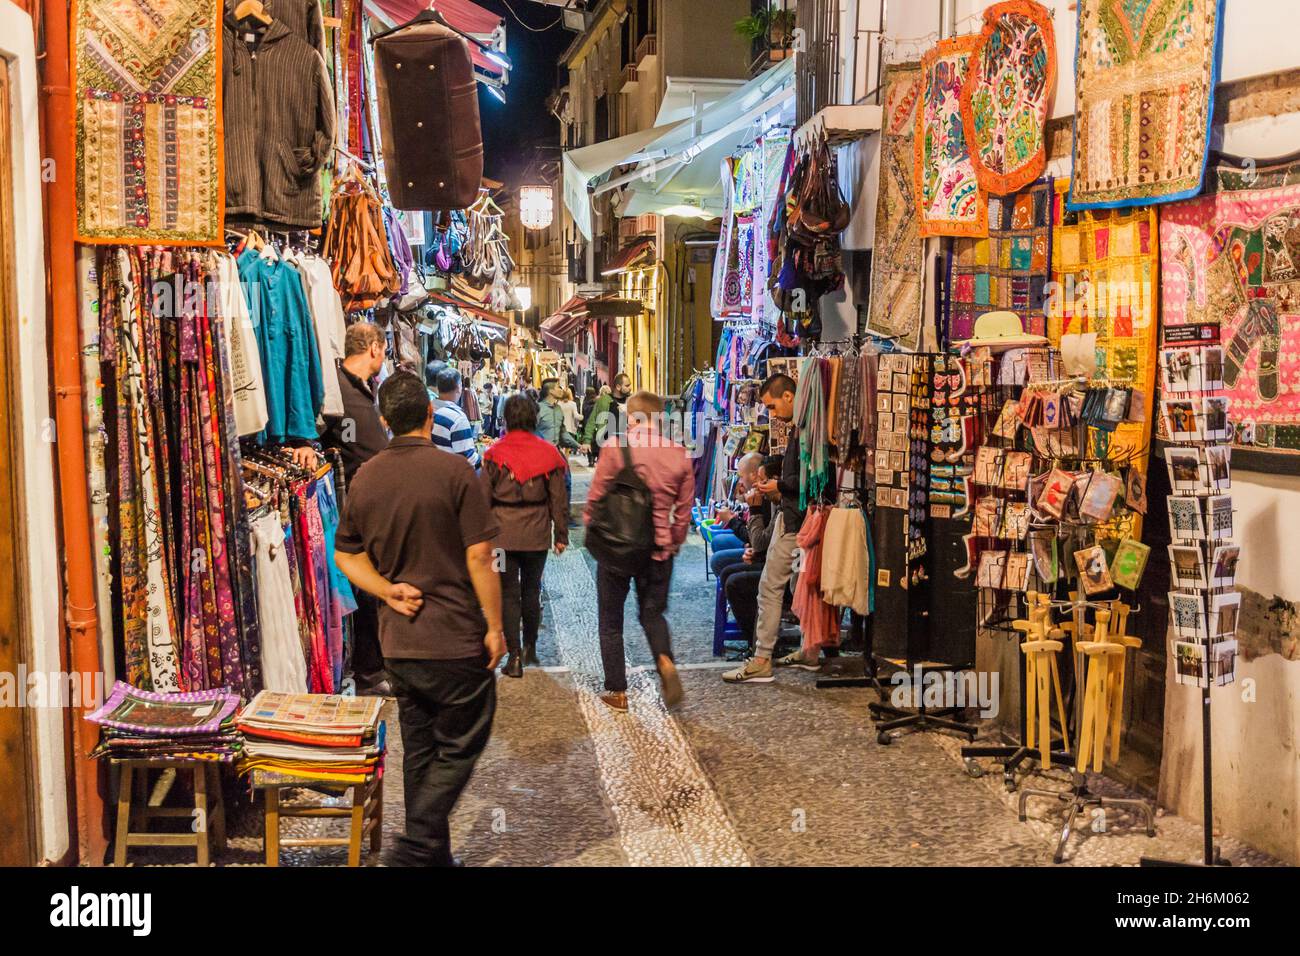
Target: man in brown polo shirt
[(417, 533)]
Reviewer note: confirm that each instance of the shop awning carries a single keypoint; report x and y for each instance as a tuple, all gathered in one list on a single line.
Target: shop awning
[(563, 324), (464, 15), (679, 163), (631, 256)]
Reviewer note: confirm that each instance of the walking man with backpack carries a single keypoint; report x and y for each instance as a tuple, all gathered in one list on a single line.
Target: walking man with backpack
[(638, 514)]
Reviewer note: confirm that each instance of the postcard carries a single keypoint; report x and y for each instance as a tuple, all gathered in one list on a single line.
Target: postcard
[(1185, 521), (1187, 567), (1189, 664), (1223, 565), (1187, 616), (1224, 612)]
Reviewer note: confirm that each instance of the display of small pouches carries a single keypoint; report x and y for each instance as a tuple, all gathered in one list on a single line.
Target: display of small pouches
[(1130, 561), (1098, 494), (1056, 492), (1094, 573)]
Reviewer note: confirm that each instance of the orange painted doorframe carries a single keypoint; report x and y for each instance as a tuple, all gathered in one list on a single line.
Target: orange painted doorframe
[(79, 598)]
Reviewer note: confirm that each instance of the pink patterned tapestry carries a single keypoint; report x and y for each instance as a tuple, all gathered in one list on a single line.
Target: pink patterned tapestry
[(1232, 258)]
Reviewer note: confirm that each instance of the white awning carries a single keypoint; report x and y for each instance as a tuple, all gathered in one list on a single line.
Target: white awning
[(678, 162)]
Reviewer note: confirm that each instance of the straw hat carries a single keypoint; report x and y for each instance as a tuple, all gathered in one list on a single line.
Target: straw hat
[(1001, 330)]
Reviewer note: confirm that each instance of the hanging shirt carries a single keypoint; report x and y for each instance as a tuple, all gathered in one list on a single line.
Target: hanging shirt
[(245, 361), (331, 327), (286, 342)]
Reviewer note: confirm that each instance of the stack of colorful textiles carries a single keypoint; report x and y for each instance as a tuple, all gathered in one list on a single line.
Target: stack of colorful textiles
[(141, 724), (321, 737)]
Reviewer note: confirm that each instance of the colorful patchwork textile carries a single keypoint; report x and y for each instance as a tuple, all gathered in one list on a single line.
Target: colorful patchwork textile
[(1144, 95), (948, 196), (1004, 104), (1104, 271), (146, 77), (1009, 269), (1232, 257), (896, 263)]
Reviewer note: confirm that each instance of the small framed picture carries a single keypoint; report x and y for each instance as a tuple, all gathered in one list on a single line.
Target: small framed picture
[(1218, 459), (902, 405), (885, 422), (1223, 663), (1183, 421), (884, 477), (1224, 611), (898, 497), (1218, 517), (1185, 521), (1216, 426), (1185, 470), (901, 383), (884, 403), (1223, 565), (1189, 664), (1187, 616), (1211, 368), (1187, 567), (884, 497), (897, 460)]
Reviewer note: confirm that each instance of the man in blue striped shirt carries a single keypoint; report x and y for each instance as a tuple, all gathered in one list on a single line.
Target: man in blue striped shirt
[(451, 429)]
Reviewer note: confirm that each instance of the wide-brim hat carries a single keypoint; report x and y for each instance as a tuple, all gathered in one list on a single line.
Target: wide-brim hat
[(1001, 330)]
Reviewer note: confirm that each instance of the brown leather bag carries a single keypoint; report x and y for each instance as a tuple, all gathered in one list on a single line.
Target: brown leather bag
[(428, 117), (356, 244)]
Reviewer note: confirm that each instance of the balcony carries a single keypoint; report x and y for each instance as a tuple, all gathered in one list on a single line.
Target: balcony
[(630, 79), (771, 30), (647, 53)]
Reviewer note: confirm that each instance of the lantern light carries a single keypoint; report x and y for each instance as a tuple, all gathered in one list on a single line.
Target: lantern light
[(535, 206)]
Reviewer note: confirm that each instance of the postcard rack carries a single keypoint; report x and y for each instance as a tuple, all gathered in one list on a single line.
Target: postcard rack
[(1204, 606)]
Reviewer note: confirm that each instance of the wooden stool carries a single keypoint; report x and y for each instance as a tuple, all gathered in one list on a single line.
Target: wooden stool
[(366, 815), (135, 811)]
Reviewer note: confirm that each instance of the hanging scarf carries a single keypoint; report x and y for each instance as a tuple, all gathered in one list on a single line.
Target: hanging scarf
[(810, 419), (524, 455)]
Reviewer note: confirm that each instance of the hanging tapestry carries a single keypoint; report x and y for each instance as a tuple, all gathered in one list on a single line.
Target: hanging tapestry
[(1008, 270), (948, 196), (896, 260), (1104, 274), (1004, 104), (1232, 258), (1143, 100), (147, 136)]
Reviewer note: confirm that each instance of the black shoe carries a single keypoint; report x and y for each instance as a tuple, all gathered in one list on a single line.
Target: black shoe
[(514, 666), (530, 655)]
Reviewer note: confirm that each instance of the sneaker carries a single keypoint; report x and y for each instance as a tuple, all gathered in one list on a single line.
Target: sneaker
[(752, 672), (797, 660)]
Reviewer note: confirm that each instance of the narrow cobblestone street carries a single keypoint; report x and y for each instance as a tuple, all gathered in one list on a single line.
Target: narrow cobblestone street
[(775, 774)]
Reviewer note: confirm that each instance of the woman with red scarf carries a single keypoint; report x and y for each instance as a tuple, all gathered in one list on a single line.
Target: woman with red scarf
[(524, 477)]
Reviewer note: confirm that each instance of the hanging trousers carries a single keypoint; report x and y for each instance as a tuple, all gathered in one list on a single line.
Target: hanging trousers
[(521, 597), (445, 710), (652, 582), (778, 569)]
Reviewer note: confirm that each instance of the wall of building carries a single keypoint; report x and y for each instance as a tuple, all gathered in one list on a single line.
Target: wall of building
[(699, 39), (43, 579)]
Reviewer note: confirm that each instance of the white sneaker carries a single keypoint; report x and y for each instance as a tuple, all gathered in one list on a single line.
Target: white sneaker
[(751, 672)]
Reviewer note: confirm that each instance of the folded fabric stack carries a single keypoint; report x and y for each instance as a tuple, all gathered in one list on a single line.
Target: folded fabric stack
[(319, 737), (138, 724)]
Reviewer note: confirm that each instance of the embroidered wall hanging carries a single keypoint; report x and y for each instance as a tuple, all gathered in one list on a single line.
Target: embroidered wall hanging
[(146, 77), (896, 264), (1008, 269), (1144, 95), (1106, 282), (1004, 104), (949, 199), (1232, 258)]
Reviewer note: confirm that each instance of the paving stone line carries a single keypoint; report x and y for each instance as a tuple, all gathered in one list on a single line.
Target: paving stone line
[(666, 809)]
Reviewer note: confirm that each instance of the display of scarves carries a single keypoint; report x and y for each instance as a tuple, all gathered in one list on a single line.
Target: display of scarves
[(727, 298), (810, 419), (131, 369), (186, 616), (819, 622)]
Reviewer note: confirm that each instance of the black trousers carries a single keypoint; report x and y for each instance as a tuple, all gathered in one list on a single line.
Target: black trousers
[(652, 601), (521, 597), (445, 709), (741, 587), (367, 658)]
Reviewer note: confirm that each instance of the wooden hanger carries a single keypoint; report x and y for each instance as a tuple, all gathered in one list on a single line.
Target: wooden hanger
[(253, 9)]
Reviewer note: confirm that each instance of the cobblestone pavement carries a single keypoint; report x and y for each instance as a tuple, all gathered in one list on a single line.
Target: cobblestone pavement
[(775, 774)]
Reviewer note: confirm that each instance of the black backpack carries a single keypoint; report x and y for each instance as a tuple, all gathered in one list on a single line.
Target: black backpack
[(622, 532)]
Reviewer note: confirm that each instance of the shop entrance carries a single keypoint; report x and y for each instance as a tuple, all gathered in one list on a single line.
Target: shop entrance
[(16, 849)]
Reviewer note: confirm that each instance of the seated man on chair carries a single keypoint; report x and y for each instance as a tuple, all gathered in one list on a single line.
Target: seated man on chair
[(730, 535), (740, 578)]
